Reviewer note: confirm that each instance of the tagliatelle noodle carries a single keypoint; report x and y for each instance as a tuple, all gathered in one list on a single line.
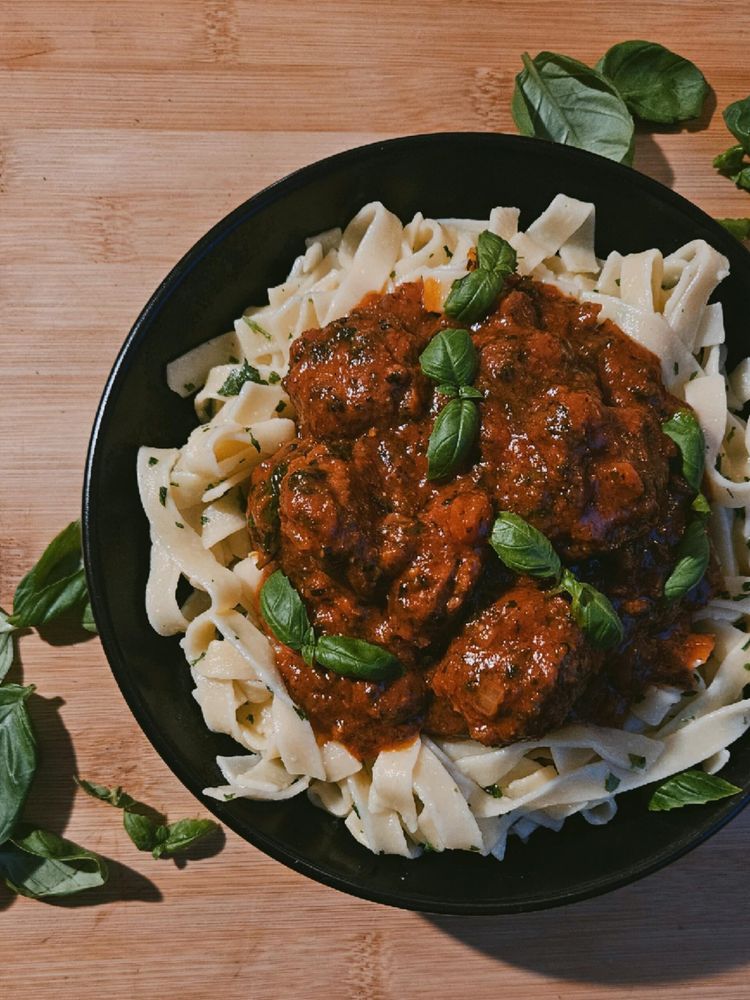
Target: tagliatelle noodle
[(439, 793)]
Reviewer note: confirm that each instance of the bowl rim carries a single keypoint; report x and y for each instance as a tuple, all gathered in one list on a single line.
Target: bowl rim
[(256, 203)]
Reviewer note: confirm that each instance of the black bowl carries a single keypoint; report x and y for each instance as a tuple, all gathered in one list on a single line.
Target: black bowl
[(442, 175)]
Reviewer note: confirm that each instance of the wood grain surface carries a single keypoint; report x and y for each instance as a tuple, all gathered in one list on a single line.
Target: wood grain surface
[(127, 129)]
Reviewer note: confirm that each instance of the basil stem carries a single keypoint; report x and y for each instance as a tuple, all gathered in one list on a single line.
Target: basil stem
[(657, 85), (693, 554), (450, 358), (452, 438), (690, 788), (285, 614), (563, 100), (17, 754), (523, 548), (356, 658), (684, 429), (37, 864)]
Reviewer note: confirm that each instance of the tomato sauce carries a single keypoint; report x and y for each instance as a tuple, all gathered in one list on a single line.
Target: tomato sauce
[(570, 439)]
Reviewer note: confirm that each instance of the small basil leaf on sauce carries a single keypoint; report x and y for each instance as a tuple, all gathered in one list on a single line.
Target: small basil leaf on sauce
[(284, 612), (469, 392), (693, 554), (446, 389), (356, 658), (737, 119), (593, 613), (6, 644), (523, 548), (690, 788), (238, 377), (179, 836), (730, 161), (472, 296), (657, 85), (739, 228), (495, 254), (55, 585), (452, 438), (37, 864), (562, 100), (685, 431), (17, 754), (450, 357), (113, 796)]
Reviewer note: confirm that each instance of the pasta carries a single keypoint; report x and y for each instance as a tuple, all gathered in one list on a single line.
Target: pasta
[(445, 794)]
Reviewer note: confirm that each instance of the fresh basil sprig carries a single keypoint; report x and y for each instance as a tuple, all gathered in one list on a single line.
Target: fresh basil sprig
[(451, 359), (690, 788), (143, 825), (37, 863), (472, 296), (285, 614), (732, 163), (693, 554), (17, 754), (657, 85), (527, 551), (562, 100), (55, 586), (739, 228), (684, 429)]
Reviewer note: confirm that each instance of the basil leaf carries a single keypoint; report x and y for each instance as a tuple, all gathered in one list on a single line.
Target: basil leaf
[(472, 296), (181, 835), (523, 548), (730, 161), (593, 613), (562, 100), (684, 429), (56, 584), (141, 829), (469, 392), (113, 796), (87, 619), (693, 554), (737, 119), (37, 863), (740, 228), (701, 505), (6, 644), (452, 438), (285, 614), (450, 357), (495, 254), (657, 85), (356, 658), (237, 378), (446, 389), (17, 754), (690, 788)]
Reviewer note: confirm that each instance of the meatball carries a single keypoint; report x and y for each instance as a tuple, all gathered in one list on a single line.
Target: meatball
[(514, 672), (363, 371)]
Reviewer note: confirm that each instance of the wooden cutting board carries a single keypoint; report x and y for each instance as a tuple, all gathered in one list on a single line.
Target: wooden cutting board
[(127, 129)]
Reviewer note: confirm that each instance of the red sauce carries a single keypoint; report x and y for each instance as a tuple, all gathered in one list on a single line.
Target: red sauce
[(570, 439)]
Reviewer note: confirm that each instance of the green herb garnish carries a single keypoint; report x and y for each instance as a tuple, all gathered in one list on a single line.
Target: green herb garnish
[(472, 296), (690, 788), (684, 429), (285, 614), (739, 228), (17, 754), (526, 551), (693, 554), (38, 864), (238, 377)]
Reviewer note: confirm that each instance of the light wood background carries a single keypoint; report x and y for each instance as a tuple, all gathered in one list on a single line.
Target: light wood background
[(127, 129)]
